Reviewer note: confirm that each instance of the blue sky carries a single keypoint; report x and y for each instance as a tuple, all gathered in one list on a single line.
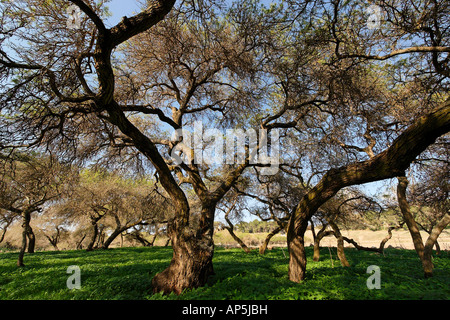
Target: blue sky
[(120, 8)]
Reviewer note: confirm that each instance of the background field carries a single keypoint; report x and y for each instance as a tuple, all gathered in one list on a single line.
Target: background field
[(125, 273), (400, 239)]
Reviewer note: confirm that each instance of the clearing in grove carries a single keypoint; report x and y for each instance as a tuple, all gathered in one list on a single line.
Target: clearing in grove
[(126, 273)]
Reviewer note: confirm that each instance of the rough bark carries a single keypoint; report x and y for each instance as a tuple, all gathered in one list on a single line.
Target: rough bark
[(193, 250), (31, 240), (388, 164), (297, 256)]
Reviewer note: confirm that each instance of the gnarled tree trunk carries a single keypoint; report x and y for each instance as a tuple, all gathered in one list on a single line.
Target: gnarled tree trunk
[(193, 250), (388, 164), (31, 240), (424, 251)]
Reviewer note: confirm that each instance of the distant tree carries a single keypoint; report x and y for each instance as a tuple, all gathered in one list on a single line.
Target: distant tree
[(29, 182), (381, 126), (115, 202), (6, 219), (53, 225)]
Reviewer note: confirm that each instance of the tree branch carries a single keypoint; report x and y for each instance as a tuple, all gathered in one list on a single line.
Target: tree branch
[(129, 27)]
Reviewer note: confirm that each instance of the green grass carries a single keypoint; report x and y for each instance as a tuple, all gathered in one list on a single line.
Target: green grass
[(125, 273)]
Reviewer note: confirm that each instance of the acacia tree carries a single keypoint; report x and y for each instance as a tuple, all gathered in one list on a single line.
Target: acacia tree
[(430, 195), (349, 208), (27, 184), (423, 249), (6, 219), (66, 90), (192, 66), (351, 49), (52, 224), (133, 206)]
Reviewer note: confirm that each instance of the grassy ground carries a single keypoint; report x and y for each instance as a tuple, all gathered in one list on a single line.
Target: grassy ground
[(125, 273)]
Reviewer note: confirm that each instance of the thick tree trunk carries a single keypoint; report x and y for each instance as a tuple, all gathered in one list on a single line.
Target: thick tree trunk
[(297, 259), (91, 244), (31, 240), (296, 248), (388, 164), (193, 250)]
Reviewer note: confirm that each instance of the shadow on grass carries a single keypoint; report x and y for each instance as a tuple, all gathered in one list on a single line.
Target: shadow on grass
[(122, 273)]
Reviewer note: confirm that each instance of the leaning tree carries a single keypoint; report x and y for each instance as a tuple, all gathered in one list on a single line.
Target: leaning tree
[(27, 184), (66, 90), (388, 120)]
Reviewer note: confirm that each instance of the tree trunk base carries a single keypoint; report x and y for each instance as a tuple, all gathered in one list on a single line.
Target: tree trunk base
[(297, 260), (190, 267)]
